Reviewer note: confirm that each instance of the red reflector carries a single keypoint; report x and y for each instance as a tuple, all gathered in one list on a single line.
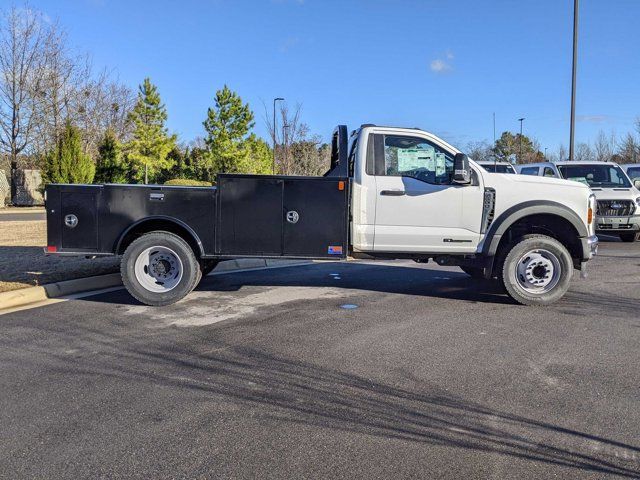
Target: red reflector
[(340, 185), (51, 249)]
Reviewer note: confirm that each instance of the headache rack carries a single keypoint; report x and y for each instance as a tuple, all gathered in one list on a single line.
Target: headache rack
[(615, 208)]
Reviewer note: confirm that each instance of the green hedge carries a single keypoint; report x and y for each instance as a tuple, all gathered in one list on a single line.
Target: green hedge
[(185, 182)]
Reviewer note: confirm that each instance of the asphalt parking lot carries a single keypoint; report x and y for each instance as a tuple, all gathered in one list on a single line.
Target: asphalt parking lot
[(356, 370)]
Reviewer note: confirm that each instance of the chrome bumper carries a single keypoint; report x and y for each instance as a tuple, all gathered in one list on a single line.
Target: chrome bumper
[(589, 247)]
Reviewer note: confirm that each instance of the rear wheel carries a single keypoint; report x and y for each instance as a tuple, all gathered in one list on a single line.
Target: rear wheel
[(628, 237), (537, 270), (159, 268)]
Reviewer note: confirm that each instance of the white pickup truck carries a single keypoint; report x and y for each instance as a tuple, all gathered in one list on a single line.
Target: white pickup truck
[(618, 200), (390, 193)]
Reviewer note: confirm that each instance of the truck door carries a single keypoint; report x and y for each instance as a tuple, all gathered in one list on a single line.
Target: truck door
[(418, 208)]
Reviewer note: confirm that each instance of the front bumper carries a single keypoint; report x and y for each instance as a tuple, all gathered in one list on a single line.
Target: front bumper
[(618, 224), (589, 247)]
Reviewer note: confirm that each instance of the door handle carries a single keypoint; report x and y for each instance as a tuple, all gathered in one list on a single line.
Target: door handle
[(393, 193)]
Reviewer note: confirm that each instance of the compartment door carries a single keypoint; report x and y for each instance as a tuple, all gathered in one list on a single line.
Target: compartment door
[(315, 217), (249, 216), (79, 221)]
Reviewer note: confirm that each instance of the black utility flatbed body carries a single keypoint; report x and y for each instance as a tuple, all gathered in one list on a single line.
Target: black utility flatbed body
[(243, 216)]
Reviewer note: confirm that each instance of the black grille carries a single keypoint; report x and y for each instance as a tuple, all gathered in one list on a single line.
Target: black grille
[(615, 208)]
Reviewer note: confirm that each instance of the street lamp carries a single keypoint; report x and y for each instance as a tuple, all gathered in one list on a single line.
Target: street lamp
[(573, 79), (278, 99), (545, 153), (520, 120), (285, 147)]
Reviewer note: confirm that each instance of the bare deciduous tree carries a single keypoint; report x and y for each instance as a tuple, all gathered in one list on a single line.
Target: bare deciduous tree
[(584, 153), (23, 34), (296, 152), (479, 151), (604, 147)]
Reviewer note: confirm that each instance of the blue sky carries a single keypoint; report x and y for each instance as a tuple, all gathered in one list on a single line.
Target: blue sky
[(444, 66)]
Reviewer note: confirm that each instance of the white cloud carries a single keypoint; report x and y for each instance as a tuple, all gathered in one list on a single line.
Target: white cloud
[(439, 66), (592, 118), (442, 64)]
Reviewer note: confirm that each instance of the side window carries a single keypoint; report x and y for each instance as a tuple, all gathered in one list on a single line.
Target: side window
[(634, 173), (615, 176), (548, 172), (417, 158), (529, 171)]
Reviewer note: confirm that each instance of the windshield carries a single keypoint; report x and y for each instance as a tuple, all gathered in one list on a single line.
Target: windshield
[(603, 176), (498, 168)]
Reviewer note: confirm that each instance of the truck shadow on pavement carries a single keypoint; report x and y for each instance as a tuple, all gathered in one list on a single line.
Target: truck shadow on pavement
[(382, 278), (282, 390)]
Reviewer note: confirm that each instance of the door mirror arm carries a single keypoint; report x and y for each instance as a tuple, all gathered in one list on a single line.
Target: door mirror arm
[(461, 170)]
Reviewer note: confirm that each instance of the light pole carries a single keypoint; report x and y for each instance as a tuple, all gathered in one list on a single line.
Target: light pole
[(545, 153), (285, 139), (520, 120), (278, 99), (573, 79)]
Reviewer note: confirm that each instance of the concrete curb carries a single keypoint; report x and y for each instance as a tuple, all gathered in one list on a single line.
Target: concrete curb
[(26, 296)]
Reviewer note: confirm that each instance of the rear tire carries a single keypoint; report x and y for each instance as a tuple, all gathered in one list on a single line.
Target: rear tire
[(628, 237), (159, 268), (537, 270)]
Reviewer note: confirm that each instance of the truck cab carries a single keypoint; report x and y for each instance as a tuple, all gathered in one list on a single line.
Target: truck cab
[(618, 199), (391, 193)]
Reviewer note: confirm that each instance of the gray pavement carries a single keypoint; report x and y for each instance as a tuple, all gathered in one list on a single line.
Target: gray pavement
[(265, 374)]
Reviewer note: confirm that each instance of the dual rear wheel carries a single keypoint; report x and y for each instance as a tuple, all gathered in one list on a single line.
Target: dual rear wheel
[(160, 268)]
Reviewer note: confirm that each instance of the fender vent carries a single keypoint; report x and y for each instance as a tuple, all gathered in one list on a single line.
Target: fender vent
[(488, 208)]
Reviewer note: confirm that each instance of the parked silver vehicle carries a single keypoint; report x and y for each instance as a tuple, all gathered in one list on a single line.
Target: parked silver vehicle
[(633, 172), (497, 167), (618, 198)]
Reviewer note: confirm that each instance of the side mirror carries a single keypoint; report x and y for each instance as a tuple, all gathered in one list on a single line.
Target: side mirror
[(461, 170), (636, 183)]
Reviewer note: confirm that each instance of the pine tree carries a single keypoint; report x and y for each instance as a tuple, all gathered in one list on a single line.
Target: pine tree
[(67, 162), (110, 167), (151, 143), (260, 156), (227, 125)]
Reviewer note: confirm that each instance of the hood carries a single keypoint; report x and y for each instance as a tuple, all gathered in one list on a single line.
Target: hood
[(616, 193), (536, 180)]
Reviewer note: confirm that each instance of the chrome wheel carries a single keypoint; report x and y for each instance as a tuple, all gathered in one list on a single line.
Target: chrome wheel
[(538, 271), (158, 269)]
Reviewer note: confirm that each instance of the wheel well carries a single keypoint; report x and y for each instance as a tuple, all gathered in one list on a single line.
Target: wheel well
[(546, 224), (158, 225)]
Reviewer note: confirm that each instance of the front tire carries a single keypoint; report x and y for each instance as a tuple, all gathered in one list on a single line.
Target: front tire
[(628, 237), (537, 270), (159, 268)]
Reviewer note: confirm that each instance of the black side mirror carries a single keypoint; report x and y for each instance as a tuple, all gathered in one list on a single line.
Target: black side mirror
[(461, 170)]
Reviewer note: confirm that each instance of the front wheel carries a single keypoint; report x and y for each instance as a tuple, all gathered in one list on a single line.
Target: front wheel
[(159, 268), (537, 270), (628, 237)]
